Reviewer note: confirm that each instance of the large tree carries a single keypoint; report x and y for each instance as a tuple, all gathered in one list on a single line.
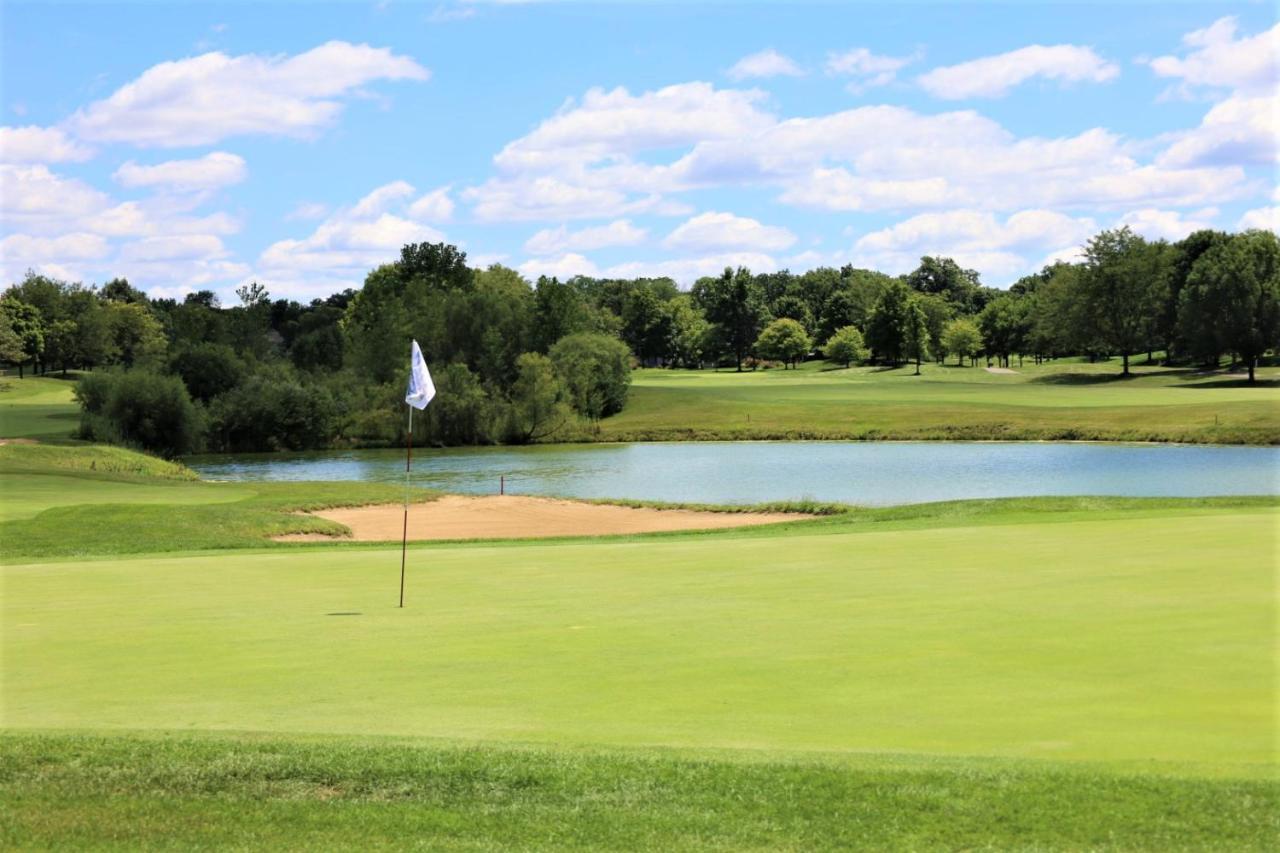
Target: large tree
[(1123, 288), (784, 340), (887, 327), (735, 304), (1233, 295)]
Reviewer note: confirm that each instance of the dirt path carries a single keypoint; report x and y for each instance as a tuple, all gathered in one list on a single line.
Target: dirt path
[(509, 517)]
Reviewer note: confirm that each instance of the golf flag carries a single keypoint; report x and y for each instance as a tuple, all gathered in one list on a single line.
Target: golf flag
[(421, 388)]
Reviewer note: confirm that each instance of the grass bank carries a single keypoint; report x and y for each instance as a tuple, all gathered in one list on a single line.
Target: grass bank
[(229, 791), (1060, 401)]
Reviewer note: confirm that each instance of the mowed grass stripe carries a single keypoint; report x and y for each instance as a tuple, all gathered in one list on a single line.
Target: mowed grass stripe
[(1127, 641)]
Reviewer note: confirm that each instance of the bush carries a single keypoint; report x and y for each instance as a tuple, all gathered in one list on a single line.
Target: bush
[(538, 400), (845, 346), (784, 340), (208, 369), (596, 369), (274, 413), (141, 408)]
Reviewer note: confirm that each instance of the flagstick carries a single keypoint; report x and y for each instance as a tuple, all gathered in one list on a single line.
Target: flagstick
[(404, 540)]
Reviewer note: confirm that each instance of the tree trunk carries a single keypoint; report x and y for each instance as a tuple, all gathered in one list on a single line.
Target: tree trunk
[(1126, 364), (1252, 363), (918, 366)]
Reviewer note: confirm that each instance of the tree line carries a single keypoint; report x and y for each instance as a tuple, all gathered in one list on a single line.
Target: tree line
[(516, 361)]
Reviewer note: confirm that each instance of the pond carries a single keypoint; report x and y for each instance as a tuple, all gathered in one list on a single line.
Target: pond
[(872, 473)]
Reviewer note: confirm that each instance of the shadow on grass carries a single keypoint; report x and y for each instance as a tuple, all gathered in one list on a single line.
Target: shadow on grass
[(1236, 382), (1082, 378)]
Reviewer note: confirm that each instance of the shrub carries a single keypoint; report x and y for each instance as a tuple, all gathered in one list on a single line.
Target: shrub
[(208, 369), (845, 346), (784, 340), (274, 413), (596, 369), (141, 408)]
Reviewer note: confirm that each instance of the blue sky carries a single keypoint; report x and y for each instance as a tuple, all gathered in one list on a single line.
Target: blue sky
[(191, 146)]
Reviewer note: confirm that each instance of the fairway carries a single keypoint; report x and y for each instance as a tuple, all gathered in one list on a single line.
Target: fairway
[(38, 407), (1143, 640), (1059, 400)]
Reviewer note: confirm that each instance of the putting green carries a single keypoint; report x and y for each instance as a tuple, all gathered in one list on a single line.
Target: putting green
[(1145, 639)]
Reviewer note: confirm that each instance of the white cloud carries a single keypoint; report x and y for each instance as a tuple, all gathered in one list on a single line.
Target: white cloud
[(564, 266), (210, 172), (346, 245), (1155, 224), (1217, 59), (765, 63), (688, 270), (554, 241), (1267, 218), (207, 98), (308, 210), (975, 239), (1239, 130), (34, 144), (995, 76), (435, 206), (866, 68), (716, 231)]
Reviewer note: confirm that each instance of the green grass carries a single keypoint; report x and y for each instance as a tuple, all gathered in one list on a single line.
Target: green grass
[(1057, 673), (38, 407), (1101, 638), (1061, 401), (86, 791), (91, 500)]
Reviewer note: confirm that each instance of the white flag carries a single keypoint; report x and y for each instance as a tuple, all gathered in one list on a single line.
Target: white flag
[(421, 388)]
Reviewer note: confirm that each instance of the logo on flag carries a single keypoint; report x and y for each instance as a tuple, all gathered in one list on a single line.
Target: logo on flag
[(421, 388)]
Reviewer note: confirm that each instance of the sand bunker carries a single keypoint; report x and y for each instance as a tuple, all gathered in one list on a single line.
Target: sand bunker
[(1000, 370), (510, 517)]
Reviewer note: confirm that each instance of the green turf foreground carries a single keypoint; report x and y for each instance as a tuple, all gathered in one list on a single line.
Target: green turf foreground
[(87, 791)]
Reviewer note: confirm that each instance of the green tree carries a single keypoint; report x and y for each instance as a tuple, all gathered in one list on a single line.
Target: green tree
[(946, 278), (687, 331), (915, 333), (646, 324), (136, 335), (845, 346), (962, 338), (886, 329), (784, 340), (596, 370), (734, 304), (559, 311), (208, 370), (1123, 288), (376, 326), (11, 351), (539, 401), (25, 322), (1233, 294)]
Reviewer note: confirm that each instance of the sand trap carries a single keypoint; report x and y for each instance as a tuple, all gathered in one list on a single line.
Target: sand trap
[(999, 370), (509, 517)]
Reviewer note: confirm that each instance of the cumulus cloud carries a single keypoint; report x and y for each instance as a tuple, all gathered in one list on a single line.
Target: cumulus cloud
[(995, 76), (210, 172), (553, 241), (867, 69), (1156, 224), (34, 144), (688, 270), (765, 63), (1241, 129), (346, 245), (1216, 58), (435, 206), (208, 98), (975, 239), (563, 266), (1266, 218), (716, 231)]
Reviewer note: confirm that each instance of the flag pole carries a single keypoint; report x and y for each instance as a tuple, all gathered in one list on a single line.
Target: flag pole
[(404, 539)]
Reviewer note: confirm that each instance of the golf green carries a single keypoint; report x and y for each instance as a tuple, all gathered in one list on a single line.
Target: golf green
[(1144, 639)]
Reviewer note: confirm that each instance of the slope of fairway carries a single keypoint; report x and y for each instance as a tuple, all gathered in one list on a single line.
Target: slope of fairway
[(1059, 401), (37, 407), (1144, 639)]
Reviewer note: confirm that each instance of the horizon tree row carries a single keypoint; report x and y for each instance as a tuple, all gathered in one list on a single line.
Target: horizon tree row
[(520, 361)]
